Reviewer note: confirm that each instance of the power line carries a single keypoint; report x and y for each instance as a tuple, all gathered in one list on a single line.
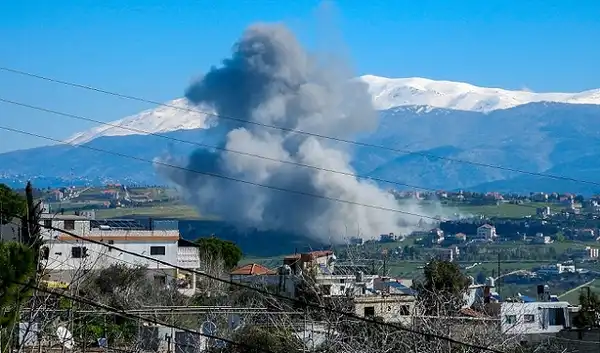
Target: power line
[(295, 131), (220, 176), (130, 315), (79, 117), (199, 144), (267, 293)]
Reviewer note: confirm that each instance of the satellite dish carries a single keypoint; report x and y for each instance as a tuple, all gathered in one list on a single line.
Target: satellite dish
[(209, 328), (65, 337)]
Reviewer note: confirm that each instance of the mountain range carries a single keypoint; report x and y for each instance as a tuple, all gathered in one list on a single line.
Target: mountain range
[(440, 121)]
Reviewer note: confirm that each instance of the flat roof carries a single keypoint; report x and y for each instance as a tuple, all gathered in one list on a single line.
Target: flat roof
[(63, 217)]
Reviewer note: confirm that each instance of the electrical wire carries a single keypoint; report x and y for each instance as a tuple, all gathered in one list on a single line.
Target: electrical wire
[(129, 315), (294, 131), (276, 295), (220, 176), (199, 144)]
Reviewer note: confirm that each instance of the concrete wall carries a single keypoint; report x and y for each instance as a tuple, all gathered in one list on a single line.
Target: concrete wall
[(390, 308), (540, 311)]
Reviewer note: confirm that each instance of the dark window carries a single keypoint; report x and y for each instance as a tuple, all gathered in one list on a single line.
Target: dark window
[(529, 318), (69, 224), (557, 316), (47, 223), (404, 310), (157, 250), (510, 319), (45, 253), (77, 252), (369, 311)]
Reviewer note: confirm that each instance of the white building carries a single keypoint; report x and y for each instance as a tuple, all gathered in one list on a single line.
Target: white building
[(534, 317), (487, 232), (66, 258), (557, 269)]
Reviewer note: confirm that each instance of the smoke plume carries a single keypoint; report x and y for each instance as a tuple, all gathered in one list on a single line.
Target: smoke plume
[(270, 79)]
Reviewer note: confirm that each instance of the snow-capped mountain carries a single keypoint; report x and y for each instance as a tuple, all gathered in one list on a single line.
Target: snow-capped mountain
[(387, 93), (552, 138), (172, 116), (394, 92)]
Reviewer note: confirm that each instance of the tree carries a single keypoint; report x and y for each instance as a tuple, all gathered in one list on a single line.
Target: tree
[(227, 250), (17, 265), (590, 309), (273, 339), (11, 204), (443, 289)]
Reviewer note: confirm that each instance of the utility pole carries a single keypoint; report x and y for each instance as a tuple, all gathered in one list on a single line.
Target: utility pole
[(499, 273), (384, 253)]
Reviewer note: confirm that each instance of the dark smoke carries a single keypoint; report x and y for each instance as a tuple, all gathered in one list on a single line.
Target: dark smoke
[(270, 79)]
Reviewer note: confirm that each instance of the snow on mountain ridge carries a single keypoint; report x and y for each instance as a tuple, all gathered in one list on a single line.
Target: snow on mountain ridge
[(175, 115), (392, 92), (387, 93)]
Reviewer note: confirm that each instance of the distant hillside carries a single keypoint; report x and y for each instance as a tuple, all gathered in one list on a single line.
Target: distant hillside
[(553, 138)]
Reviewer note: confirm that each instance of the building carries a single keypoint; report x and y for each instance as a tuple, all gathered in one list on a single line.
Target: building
[(65, 258), (523, 318), (460, 237), (592, 253), (543, 211), (447, 254), (540, 238), (255, 274), (556, 269), (323, 261), (487, 232)]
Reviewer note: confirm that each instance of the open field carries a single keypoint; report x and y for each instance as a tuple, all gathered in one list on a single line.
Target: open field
[(572, 296), (166, 211)]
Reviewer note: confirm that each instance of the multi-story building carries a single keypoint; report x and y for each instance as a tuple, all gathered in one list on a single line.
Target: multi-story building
[(66, 258), (487, 232)]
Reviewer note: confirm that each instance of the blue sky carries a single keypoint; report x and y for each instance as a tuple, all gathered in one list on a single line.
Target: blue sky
[(150, 49)]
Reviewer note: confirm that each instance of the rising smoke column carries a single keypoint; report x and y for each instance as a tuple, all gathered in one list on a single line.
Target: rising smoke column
[(271, 80)]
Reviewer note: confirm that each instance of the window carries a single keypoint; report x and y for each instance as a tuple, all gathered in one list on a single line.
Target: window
[(404, 310), (369, 311), (157, 250), (529, 318), (557, 317), (47, 223), (76, 252), (69, 224), (510, 319), (45, 253)]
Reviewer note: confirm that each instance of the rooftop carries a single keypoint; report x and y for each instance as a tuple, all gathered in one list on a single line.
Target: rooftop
[(252, 270), (63, 217), (311, 255)]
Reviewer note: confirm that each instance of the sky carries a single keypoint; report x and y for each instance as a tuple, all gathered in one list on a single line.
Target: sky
[(154, 48)]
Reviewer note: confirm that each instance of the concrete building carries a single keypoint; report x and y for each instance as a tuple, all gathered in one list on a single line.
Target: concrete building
[(526, 318), (65, 258), (487, 232)]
